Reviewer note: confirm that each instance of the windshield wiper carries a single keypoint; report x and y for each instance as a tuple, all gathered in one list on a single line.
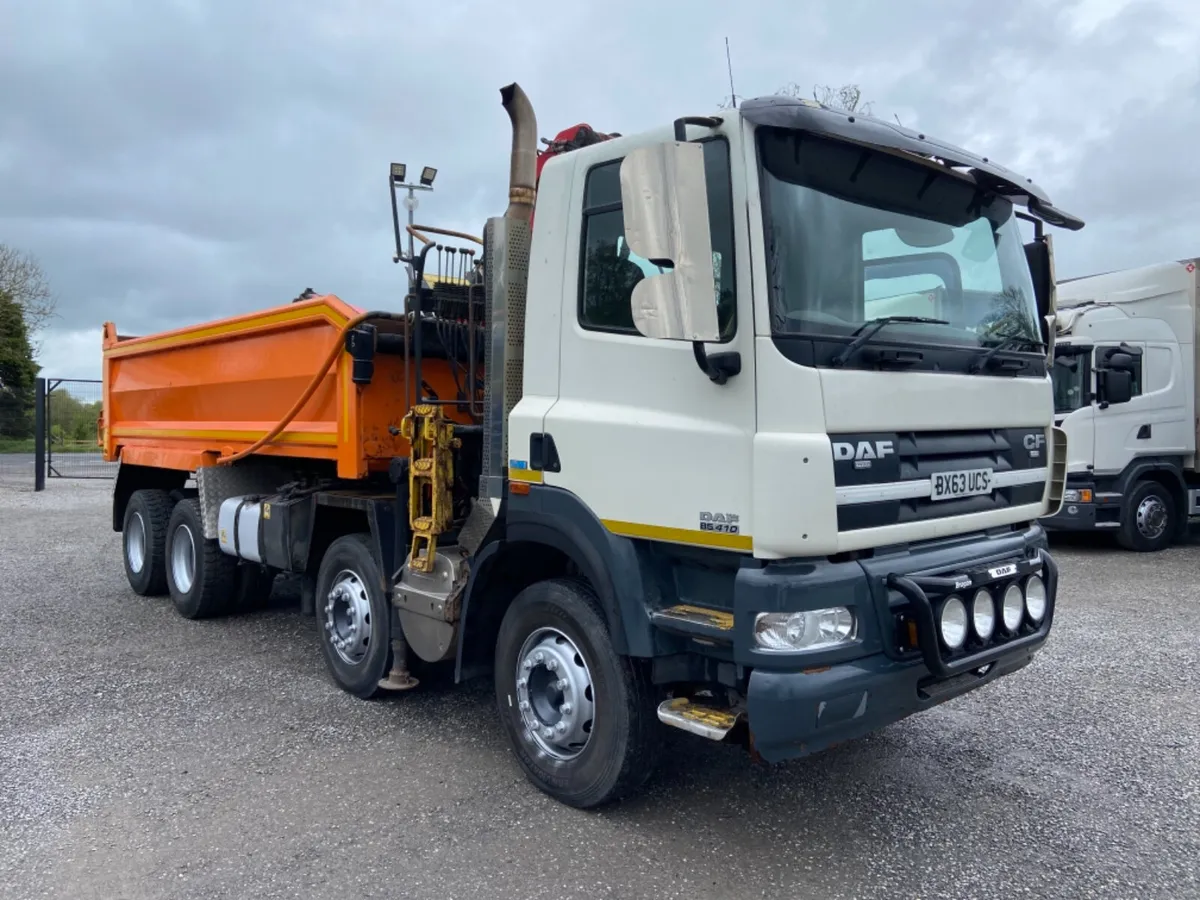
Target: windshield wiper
[(981, 362), (871, 327)]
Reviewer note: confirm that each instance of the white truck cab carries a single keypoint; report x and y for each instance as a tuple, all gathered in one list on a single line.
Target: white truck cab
[(1125, 393), (783, 398)]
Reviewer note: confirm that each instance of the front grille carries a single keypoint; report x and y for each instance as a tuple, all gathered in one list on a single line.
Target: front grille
[(883, 467)]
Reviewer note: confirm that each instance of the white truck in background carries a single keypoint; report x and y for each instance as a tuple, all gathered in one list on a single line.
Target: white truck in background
[(1125, 393)]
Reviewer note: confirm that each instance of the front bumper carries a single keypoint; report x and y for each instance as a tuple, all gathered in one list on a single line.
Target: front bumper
[(795, 711), (1084, 508)]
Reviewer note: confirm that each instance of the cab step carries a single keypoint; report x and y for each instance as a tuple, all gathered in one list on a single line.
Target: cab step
[(700, 622), (706, 721)]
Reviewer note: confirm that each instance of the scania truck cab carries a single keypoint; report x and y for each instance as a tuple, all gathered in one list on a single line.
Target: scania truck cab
[(1125, 393), (764, 435)]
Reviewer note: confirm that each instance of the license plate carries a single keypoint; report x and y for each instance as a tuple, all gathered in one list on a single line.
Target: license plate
[(965, 483)]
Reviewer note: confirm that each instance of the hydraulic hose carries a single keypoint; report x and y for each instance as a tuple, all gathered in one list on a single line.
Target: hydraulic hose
[(334, 351), (416, 230)]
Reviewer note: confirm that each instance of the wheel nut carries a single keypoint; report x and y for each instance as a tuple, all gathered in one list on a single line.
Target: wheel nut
[(539, 658), (527, 665), (566, 709), (560, 728), (552, 664), (562, 684), (524, 706), (547, 732), (521, 682)]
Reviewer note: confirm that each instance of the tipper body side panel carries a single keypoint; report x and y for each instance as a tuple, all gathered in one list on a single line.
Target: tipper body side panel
[(182, 399)]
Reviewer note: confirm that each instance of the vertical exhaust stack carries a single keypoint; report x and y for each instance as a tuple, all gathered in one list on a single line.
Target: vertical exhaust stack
[(506, 272), (522, 173)]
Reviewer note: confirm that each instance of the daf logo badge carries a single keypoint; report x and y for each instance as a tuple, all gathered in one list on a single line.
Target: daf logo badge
[(863, 452)]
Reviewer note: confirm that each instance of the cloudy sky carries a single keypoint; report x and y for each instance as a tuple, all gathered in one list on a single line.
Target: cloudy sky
[(171, 161)]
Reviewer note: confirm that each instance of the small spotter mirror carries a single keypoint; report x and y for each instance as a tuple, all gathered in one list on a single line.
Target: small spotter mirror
[(925, 234), (1119, 360), (665, 201)]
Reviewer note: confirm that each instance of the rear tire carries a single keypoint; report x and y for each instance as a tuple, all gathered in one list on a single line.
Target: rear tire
[(608, 744), (202, 580), (144, 541), (353, 616), (1148, 523)]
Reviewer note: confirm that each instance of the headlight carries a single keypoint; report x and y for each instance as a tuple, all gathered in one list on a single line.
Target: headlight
[(1083, 495), (817, 629), (1014, 608), (952, 623), (983, 614), (1035, 598)]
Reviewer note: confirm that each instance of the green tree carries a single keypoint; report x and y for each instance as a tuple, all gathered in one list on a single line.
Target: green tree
[(18, 371), (72, 422)]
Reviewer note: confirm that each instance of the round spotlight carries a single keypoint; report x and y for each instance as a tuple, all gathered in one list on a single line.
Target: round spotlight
[(983, 614), (1013, 608), (953, 623), (1035, 598)]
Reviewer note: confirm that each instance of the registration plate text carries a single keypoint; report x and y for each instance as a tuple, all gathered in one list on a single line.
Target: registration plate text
[(965, 483)]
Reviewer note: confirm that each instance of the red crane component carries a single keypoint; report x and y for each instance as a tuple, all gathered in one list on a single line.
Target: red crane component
[(581, 135)]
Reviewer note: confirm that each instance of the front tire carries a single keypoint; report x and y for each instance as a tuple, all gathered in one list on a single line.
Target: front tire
[(202, 580), (353, 616), (144, 541), (580, 718), (1149, 522)]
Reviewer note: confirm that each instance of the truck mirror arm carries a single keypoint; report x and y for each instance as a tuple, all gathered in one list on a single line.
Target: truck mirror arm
[(719, 367)]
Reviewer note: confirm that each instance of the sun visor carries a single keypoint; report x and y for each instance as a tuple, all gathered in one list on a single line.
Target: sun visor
[(800, 114)]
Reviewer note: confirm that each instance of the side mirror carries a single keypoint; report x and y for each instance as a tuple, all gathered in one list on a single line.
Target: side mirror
[(1039, 254), (665, 201), (1116, 385)]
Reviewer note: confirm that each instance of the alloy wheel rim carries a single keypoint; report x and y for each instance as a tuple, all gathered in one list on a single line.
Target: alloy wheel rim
[(555, 694)]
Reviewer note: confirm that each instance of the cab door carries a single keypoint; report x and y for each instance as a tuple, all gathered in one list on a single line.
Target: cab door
[(645, 439), (1157, 421)]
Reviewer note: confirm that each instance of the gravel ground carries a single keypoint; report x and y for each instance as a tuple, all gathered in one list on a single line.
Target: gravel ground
[(143, 756)]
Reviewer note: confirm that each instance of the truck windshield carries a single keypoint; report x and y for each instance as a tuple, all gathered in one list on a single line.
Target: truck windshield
[(1070, 376), (855, 234)]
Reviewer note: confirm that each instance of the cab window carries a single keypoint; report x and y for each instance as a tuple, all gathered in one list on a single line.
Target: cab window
[(610, 269)]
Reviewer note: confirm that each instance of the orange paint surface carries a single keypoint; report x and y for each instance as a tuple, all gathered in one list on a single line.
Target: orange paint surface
[(182, 399)]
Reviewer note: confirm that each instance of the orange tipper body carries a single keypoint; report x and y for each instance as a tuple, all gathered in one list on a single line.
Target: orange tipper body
[(183, 399)]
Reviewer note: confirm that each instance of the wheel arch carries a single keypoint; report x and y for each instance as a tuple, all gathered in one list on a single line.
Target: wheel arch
[(549, 533), (132, 478), (501, 570), (1163, 471)]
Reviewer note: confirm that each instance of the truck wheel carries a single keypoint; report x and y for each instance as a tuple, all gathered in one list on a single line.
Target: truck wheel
[(202, 580), (144, 540), (580, 718), (1148, 524), (353, 617)]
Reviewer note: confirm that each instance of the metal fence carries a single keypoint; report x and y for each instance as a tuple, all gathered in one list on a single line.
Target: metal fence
[(73, 408), (51, 431)]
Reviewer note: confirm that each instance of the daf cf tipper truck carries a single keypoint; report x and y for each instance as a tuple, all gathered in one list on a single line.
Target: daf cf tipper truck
[(1125, 393), (742, 425)]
